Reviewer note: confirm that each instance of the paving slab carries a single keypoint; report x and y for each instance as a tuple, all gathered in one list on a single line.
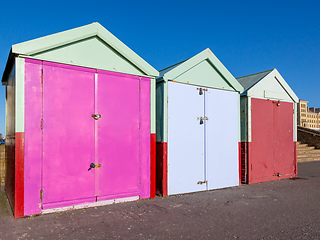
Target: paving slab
[(284, 209)]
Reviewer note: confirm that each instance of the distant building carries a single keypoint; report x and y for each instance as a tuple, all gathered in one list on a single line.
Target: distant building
[(308, 117)]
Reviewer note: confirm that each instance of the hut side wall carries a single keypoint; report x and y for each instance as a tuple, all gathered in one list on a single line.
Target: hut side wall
[(10, 139)]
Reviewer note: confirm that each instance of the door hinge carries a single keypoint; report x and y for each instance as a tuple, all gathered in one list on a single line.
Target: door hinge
[(41, 194), (41, 75), (139, 126), (41, 124), (139, 182)]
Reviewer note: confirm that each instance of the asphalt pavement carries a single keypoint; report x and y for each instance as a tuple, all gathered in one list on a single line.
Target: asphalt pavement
[(284, 209)]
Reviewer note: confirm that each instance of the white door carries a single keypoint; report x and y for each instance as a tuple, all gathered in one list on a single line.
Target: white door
[(186, 169), (222, 141)]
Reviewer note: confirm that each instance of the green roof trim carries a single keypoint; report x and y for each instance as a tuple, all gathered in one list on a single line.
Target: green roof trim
[(173, 72), (44, 44), (252, 83)]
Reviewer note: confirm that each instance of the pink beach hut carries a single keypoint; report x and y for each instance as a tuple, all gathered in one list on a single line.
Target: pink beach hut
[(80, 113)]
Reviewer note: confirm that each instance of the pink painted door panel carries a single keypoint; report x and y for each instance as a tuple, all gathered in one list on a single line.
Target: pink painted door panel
[(68, 135), (118, 135), (283, 139), (261, 164)]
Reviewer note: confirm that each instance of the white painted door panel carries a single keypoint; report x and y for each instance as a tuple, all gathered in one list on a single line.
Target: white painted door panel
[(185, 139), (222, 138)]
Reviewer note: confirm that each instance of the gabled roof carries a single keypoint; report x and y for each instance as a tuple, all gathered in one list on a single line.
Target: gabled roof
[(253, 85), (47, 43), (250, 80), (173, 72)]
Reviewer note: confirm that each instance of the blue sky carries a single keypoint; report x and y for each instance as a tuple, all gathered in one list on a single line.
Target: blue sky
[(247, 36)]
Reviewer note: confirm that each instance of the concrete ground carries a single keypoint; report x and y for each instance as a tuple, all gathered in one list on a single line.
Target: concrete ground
[(284, 209)]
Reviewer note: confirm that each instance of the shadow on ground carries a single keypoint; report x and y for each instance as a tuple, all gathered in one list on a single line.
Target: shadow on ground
[(284, 209)]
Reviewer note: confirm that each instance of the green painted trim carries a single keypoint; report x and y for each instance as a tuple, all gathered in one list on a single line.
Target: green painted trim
[(213, 60), (49, 42), (244, 118), (19, 96), (162, 111), (286, 87), (239, 119), (251, 91), (249, 127), (295, 130), (153, 105), (165, 111)]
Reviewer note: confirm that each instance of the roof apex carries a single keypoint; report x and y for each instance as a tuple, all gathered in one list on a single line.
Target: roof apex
[(170, 73), (250, 81), (46, 43)]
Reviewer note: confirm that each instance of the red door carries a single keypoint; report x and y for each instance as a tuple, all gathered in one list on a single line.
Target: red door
[(284, 162), (272, 149), (260, 164)]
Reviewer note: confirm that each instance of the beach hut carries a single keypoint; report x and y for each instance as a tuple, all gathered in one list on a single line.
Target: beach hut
[(198, 126), (268, 128), (80, 114)]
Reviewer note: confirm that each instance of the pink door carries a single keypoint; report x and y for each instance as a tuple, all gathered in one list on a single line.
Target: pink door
[(118, 135), (117, 142), (68, 135)]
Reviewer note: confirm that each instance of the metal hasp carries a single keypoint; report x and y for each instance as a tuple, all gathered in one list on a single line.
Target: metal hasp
[(268, 128), (202, 119), (96, 116), (201, 90)]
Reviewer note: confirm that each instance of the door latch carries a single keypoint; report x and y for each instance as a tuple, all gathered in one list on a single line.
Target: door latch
[(202, 119), (96, 116), (201, 182), (92, 165)]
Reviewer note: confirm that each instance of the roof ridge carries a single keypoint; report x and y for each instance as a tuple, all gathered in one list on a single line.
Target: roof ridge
[(256, 73)]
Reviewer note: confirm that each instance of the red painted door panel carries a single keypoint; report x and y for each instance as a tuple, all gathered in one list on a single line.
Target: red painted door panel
[(283, 139), (260, 164), (118, 135), (68, 135), (271, 153)]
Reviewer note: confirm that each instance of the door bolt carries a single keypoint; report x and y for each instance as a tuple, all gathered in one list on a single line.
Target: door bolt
[(202, 182)]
